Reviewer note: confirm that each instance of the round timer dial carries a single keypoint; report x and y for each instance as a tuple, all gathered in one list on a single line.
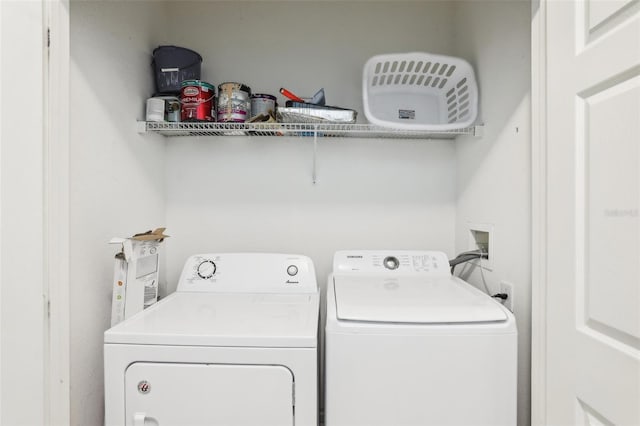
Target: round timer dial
[(391, 262), (206, 269)]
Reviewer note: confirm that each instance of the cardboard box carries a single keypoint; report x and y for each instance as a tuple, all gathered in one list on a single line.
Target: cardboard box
[(135, 276)]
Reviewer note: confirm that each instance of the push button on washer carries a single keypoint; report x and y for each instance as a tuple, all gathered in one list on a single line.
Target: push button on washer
[(292, 270)]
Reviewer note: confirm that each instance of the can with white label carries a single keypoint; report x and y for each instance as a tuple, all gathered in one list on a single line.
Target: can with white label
[(155, 109), (234, 102), (263, 104)]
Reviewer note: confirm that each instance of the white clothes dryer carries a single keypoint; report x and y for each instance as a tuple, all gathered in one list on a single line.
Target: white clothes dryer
[(408, 344), (235, 345)]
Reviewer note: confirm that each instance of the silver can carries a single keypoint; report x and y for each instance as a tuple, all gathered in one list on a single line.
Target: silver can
[(263, 104), (163, 108), (234, 102), (173, 108)]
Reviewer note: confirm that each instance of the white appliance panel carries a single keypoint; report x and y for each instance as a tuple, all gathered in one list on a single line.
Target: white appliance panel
[(174, 394), (391, 263), (419, 348), (404, 380), (224, 349), (248, 273), (224, 319), (413, 299), (301, 361)]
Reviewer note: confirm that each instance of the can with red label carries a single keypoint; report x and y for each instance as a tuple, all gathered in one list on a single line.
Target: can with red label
[(197, 99)]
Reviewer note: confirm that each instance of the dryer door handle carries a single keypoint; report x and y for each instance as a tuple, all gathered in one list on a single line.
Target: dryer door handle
[(141, 419)]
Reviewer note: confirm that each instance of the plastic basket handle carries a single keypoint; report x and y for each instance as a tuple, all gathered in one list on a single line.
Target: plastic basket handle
[(153, 64)]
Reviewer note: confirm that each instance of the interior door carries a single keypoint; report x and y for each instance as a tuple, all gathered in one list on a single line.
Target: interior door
[(168, 394), (593, 233), (24, 366)]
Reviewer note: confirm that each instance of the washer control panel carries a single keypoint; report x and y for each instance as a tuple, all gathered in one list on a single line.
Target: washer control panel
[(248, 272), (392, 262)]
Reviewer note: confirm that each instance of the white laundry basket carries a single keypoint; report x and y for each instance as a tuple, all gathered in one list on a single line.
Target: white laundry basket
[(419, 91)]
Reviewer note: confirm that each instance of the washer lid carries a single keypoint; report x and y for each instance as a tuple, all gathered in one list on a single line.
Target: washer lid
[(417, 300), (224, 319)]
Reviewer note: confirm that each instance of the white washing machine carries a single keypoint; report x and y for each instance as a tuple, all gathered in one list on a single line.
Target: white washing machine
[(235, 345), (408, 344)]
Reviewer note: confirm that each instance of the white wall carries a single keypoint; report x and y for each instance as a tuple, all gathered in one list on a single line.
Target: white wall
[(494, 172), (305, 45), (116, 175), (257, 194)]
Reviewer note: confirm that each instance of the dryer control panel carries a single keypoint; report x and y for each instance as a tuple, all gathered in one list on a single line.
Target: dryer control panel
[(392, 262), (248, 273)]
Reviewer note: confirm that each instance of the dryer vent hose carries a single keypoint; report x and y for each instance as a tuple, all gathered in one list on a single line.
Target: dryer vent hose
[(467, 256)]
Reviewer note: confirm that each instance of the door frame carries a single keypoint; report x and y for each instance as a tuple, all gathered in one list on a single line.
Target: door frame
[(36, 236), (538, 212), (56, 166), (56, 214)]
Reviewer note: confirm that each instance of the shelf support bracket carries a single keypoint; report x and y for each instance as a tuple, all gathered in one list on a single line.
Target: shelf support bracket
[(141, 127), (315, 154)]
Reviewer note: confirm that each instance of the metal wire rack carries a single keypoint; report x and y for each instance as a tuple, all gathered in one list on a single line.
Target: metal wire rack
[(316, 130)]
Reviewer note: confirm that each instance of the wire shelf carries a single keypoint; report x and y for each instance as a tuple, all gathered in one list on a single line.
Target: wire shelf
[(321, 130)]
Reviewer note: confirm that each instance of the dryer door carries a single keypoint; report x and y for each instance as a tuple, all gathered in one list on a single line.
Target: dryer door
[(174, 394)]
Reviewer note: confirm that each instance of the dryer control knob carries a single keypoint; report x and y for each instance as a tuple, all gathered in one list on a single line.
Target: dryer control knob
[(292, 270), (206, 269), (391, 262)]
